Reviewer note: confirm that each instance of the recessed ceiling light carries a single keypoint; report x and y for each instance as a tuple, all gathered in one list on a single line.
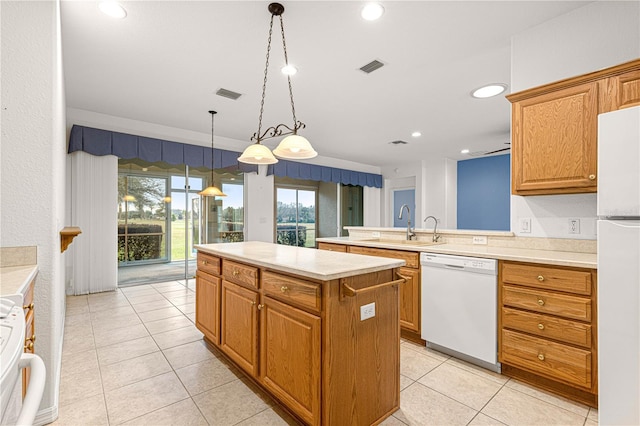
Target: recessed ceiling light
[(372, 11), (416, 134), (113, 9), (464, 151), (289, 69), (489, 90)]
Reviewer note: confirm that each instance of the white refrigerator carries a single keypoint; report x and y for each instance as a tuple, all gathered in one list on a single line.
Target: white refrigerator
[(619, 267)]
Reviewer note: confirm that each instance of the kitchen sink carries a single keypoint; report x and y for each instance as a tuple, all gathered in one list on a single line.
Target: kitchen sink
[(401, 242)]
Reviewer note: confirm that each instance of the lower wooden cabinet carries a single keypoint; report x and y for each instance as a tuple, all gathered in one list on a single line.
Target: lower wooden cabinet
[(290, 356), (548, 330), (208, 305), (410, 300), (239, 325), (30, 333)]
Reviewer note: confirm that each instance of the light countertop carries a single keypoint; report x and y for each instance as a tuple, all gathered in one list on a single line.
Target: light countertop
[(306, 262), (16, 279), (531, 255)]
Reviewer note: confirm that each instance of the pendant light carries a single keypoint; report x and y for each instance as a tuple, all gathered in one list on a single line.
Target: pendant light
[(293, 146), (212, 191)]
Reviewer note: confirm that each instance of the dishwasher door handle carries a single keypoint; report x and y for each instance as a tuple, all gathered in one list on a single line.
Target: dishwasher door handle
[(453, 266)]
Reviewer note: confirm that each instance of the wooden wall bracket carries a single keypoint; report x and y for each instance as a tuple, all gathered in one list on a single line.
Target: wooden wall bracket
[(67, 234)]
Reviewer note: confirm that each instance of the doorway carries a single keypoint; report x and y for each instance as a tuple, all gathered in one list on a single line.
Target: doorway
[(296, 216)]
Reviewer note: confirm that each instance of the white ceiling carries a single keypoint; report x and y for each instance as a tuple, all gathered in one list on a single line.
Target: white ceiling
[(165, 61)]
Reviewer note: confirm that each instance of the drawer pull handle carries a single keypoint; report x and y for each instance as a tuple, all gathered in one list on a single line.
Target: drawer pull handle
[(30, 339), (541, 357), (284, 289), (236, 272), (540, 302), (260, 307), (28, 346), (592, 177), (29, 306), (540, 278), (204, 262), (541, 326)]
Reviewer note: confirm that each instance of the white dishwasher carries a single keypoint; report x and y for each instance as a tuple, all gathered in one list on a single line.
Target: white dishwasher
[(459, 307)]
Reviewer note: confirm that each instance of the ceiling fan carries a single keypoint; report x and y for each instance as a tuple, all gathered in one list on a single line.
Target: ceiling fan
[(499, 150)]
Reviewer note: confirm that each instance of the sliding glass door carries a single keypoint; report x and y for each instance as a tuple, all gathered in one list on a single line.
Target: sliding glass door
[(296, 216)]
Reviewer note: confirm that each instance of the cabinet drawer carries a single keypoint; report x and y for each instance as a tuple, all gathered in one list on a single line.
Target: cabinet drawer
[(550, 303), (292, 290), (545, 326), (554, 360), (208, 263), (239, 273), (571, 281), (332, 247), (412, 259)]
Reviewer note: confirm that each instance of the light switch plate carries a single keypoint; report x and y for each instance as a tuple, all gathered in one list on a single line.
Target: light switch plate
[(479, 240), (367, 311), (525, 225)]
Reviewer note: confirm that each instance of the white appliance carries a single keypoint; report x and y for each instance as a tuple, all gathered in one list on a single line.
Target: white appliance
[(13, 410), (459, 307), (619, 267)]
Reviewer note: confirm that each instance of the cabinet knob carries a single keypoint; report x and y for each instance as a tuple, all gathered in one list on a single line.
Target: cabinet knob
[(236, 272), (204, 262), (284, 289), (29, 306), (592, 177), (540, 278), (540, 302), (260, 307), (253, 303), (541, 357), (540, 326), (28, 346)]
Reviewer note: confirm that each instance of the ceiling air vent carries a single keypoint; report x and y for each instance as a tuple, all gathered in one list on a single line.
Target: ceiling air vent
[(398, 142), (228, 94), (372, 66)]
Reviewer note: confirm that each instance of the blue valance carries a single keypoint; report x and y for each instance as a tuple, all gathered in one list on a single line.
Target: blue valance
[(122, 145), (307, 171)]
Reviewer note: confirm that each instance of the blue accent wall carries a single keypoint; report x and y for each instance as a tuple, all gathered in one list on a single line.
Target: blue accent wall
[(484, 193)]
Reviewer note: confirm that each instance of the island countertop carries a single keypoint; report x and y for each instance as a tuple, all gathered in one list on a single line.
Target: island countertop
[(306, 262)]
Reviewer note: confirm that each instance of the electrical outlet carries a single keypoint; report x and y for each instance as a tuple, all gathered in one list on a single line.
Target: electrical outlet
[(480, 240), (525, 225), (367, 311), (574, 226), (375, 234)]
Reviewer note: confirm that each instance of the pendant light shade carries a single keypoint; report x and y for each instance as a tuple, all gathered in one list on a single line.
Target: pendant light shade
[(212, 191), (295, 147), (257, 154)]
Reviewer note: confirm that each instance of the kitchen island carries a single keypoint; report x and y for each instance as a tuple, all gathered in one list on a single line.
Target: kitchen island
[(318, 330)]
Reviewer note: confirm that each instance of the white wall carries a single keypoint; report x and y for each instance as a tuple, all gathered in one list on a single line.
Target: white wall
[(435, 182), (32, 159), (596, 36)]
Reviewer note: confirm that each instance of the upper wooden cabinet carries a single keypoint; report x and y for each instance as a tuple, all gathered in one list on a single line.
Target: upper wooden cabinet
[(555, 128)]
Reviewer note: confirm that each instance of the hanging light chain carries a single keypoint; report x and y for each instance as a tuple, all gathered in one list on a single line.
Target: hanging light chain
[(264, 84), (213, 113), (286, 62)]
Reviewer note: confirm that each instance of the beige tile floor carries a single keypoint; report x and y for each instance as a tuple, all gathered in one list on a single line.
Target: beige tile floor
[(134, 356)]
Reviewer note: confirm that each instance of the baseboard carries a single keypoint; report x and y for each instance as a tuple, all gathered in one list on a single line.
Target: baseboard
[(50, 414)]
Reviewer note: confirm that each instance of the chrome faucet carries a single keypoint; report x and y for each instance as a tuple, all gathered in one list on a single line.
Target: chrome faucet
[(436, 237), (410, 233)]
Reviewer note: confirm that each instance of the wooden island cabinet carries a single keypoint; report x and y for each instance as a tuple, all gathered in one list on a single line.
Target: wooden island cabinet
[(295, 321)]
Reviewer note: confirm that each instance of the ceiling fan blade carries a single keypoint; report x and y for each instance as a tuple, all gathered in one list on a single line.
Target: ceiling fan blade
[(497, 150)]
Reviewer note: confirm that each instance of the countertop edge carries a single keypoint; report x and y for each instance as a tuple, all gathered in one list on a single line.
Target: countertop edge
[(381, 264), (18, 277), (547, 257)]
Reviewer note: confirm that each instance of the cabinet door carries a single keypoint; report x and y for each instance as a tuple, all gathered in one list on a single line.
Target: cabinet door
[(410, 300), (621, 91), (239, 326), (290, 357), (332, 247), (554, 146), (208, 306)]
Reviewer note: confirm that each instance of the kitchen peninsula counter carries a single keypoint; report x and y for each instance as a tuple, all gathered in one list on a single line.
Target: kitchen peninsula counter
[(319, 331)]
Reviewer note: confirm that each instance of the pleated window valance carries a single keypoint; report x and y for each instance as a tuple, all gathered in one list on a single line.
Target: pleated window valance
[(297, 170), (122, 145)]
